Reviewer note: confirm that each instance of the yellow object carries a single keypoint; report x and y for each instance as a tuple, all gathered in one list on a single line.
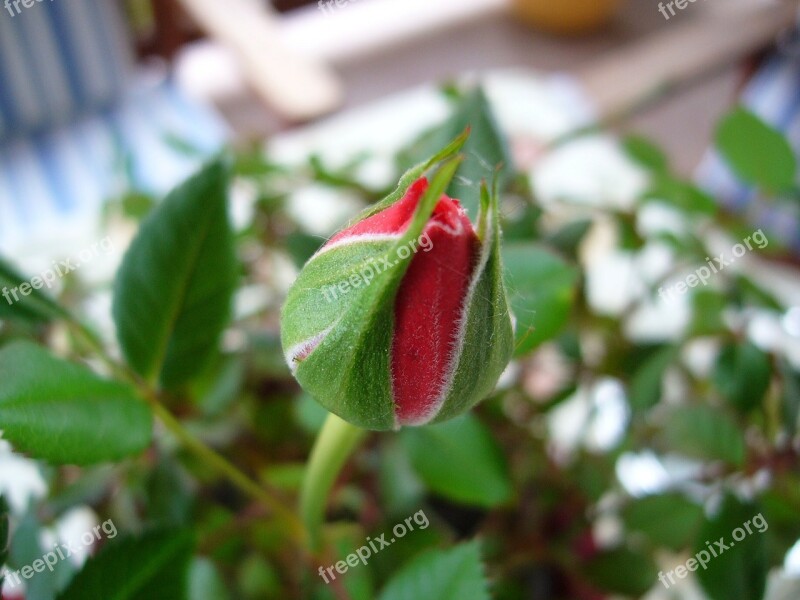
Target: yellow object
[(565, 16)]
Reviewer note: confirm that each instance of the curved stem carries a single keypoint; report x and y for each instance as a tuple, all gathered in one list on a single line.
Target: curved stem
[(192, 443), (334, 444), (228, 469), (94, 343)]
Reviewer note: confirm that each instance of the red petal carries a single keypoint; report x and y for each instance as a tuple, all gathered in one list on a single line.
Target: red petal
[(428, 310), (393, 220)]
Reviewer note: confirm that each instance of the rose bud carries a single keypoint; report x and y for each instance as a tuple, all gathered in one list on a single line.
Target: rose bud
[(402, 317)]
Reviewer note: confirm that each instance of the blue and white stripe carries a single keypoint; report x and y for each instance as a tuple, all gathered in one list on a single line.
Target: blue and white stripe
[(72, 109), (58, 60), (50, 179)]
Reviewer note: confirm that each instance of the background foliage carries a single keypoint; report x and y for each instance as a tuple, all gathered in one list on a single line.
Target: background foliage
[(512, 516)]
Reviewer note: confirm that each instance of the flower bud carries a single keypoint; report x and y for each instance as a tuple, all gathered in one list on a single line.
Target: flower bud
[(402, 318)]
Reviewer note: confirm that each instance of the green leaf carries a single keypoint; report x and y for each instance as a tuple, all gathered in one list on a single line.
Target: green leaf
[(740, 571), (747, 292), (520, 220), (644, 152), (258, 578), (168, 499), (541, 287), (25, 549), (460, 460), (681, 194), (4, 537), (622, 571), (266, 356), (344, 178), (302, 246), (593, 474), (400, 487), (669, 520), (646, 383), (309, 414), (485, 150), (757, 153), (173, 292), (252, 162), (285, 476), (629, 237), (90, 487), (205, 582), (569, 237), (154, 566), (791, 397), (34, 306), (781, 505), (456, 573), (65, 414), (742, 375), (705, 433), (132, 204), (219, 391), (220, 386), (357, 582), (707, 312), (385, 565)]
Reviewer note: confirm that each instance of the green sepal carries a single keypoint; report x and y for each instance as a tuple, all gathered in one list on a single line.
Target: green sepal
[(488, 342), (348, 371), (414, 173)]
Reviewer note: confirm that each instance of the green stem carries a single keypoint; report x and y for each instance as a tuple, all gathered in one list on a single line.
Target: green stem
[(220, 464), (333, 446), (94, 343), (192, 443)]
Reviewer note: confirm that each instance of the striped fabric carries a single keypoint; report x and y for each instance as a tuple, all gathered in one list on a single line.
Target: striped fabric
[(773, 94), (79, 125), (59, 59), (51, 180)]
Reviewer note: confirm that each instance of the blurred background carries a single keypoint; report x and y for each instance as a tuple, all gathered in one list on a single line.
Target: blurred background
[(112, 80), (643, 138)]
